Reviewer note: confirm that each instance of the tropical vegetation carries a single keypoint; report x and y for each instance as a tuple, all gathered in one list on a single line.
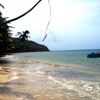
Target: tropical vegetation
[(5, 36), (23, 36), (6, 43), (27, 46)]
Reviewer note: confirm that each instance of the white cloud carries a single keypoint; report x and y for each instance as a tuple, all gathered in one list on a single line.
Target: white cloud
[(69, 18)]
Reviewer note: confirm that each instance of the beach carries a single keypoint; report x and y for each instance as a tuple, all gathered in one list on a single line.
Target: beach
[(28, 79)]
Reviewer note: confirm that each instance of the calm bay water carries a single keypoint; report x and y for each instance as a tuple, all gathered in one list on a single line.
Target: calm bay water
[(61, 75), (73, 57)]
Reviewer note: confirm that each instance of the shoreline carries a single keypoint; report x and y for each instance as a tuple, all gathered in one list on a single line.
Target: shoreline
[(28, 79)]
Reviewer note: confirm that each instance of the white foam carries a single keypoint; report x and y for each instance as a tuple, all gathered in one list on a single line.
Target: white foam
[(13, 78), (61, 83), (83, 88)]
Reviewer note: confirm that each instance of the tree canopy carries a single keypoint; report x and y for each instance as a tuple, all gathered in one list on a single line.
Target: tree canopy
[(23, 36), (5, 32), (5, 36)]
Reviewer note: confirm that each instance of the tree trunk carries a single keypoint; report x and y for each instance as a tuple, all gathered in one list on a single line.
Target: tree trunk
[(16, 18)]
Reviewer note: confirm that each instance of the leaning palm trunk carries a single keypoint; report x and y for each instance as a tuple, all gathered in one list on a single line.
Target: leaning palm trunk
[(5, 35), (14, 19), (1, 5)]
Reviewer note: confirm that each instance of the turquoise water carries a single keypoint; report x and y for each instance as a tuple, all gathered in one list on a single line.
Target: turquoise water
[(73, 57)]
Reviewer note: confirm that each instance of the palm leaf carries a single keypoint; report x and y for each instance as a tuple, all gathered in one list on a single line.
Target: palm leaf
[(18, 33)]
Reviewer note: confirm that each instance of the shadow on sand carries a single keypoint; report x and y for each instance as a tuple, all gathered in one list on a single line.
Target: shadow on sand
[(2, 61), (6, 91), (5, 60)]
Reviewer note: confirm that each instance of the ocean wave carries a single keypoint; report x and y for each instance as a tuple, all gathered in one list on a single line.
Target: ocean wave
[(83, 88)]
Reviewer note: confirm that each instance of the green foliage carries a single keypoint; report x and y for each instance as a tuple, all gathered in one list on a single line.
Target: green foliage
[(27, 46), (23, 36), (5, 36)]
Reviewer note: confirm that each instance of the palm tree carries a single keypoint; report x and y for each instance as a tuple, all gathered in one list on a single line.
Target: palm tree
[(1, 5), (23, 36), (5, 36), (16, 18)]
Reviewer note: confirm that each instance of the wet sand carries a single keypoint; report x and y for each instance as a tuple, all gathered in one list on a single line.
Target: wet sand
[(36, 87), (29, 80)]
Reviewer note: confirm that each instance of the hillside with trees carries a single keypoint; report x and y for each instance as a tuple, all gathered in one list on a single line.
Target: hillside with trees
[(27, 46), (9, 44)]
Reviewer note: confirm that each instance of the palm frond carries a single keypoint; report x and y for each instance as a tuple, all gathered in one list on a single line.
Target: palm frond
[(18, 33)]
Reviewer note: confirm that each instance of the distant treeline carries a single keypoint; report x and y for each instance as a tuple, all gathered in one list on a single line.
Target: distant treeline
[(27, 46)]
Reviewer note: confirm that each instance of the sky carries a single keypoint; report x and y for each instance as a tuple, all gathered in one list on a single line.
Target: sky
[(74, 24)]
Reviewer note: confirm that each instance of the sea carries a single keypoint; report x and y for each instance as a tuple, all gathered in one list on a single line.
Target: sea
[(54, 75)]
